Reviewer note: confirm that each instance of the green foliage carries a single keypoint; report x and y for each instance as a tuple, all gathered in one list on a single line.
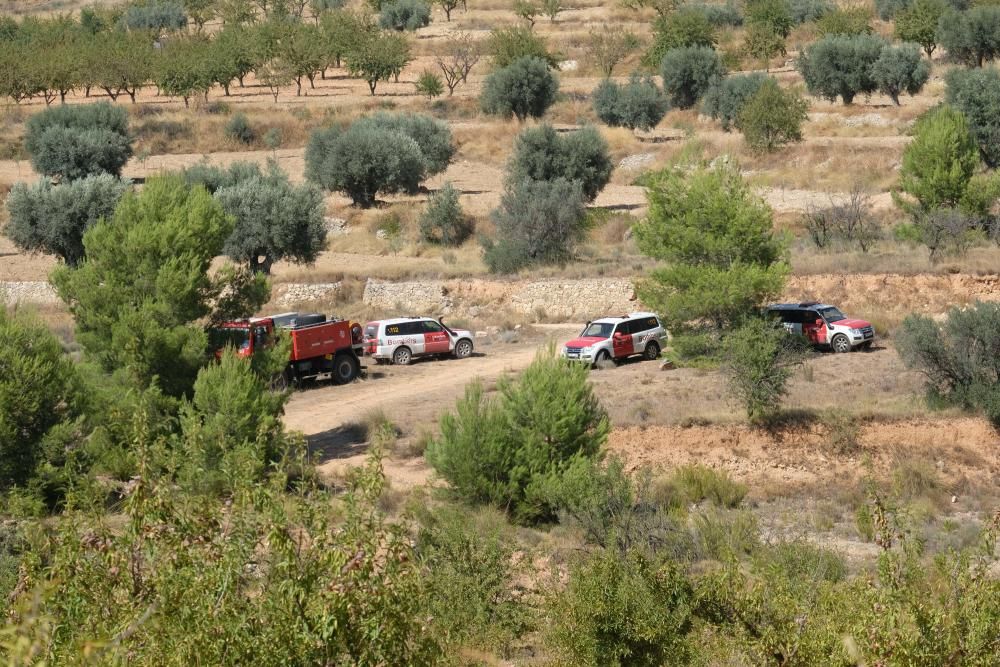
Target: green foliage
[(957, 357), (376, 56), (53, 218), (775, 14), (275, 221), (527, 10), (725, 100), (716, 236), (429, 84), (762, 43), (760, 356), (847, 21), (504, 451), (689, 72), (239, 129), (619, 610), (542, 154), (888, 9), (537, 222), (443, 221), (404, 15), (186, 68), (505, 46), (41, 396), (971, 37), (918, 23), (726, 15), (608, 47), (145, 285), (639, 104), (772, 117), (683, 28), (74, 141), (695, 484), (940, 161), (155, 15), (120, 65), (803, 11), (900, 69), (841, 66), (470, 586), (524, 88), (977, 95), (380, 153)]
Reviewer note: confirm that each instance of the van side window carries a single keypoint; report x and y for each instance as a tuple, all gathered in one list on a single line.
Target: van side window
[(411, 328), (393, 330)]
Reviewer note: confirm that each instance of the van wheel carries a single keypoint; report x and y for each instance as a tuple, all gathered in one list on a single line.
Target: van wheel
[(840, 344), (652, 352), (402, 356), (463, 349), (345, 368)]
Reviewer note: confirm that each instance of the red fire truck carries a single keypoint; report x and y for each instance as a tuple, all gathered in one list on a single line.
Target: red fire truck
[(320, 346)]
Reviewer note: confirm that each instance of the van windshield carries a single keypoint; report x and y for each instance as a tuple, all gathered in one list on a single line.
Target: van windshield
[(599, 330), (831, 314)]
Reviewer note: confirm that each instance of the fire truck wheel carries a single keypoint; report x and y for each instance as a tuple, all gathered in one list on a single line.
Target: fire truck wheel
[(401, 356), (345, 368), (281, 381)]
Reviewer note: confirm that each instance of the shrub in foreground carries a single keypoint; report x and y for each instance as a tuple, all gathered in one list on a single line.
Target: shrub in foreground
[(760, 356)]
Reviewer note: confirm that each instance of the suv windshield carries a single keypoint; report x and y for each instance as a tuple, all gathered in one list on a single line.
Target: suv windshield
[(599, 330), (831, 314)]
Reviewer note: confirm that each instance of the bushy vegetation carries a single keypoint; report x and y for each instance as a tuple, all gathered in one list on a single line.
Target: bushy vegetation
[(542, 154), (726, 15), (443, 221), (977, 95), (689, 72), (918, 23), (900, 69), (404, 15), (723, 259), (971, 37), (772, 117), (380, 153), (847, 21), (841, 66), (725, 100), (803, 11), (638, 104), (760, 356), (52, 219), (70, 142), (888, 9), (240, 130), (505, 46), (155, 15), (524, 88), (504, 451), (683, 28)]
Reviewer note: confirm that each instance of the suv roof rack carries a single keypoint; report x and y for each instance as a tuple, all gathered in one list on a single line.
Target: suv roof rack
[(806, 304)]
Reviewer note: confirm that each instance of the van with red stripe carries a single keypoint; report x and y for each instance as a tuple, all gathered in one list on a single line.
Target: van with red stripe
[(402, 339), (617, 338)]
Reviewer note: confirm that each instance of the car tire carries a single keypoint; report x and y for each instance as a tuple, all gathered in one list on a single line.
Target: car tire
[(652, 352), (601, 359), (402, 356), (463, 349), (345, 368), (866, 346), (840, 344)]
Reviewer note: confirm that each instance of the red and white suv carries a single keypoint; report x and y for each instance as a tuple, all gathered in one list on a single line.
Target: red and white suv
[(615, 338), (402, 339), (823, 325)]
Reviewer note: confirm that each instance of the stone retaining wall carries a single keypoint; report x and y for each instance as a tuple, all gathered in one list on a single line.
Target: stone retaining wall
[(31, 291)]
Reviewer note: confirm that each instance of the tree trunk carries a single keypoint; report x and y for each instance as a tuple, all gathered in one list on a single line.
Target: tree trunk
[(131, 93), (225, 88), (371, 85), (112, 95), (239, 77), (298, 86)]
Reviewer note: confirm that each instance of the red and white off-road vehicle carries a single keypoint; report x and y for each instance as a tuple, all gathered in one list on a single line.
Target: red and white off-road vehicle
[(823, 325), (402, 339), (616, 338)]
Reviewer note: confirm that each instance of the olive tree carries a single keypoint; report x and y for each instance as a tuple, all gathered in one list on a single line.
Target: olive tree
[(52, 219), (70, 142), (841, 66), (638, 104), (688, 72), (725, 100), (525, 88), (900, 69), (404, 15), (542, 154), (971, 37), (976, 93)]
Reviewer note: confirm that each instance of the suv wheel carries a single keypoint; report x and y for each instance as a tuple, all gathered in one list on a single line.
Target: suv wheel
[(840, 344), (602, 359), (652, 352), (402, 356), (463, 349)]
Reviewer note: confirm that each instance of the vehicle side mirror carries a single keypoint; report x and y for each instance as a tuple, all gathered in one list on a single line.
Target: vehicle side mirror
[(819, 322)]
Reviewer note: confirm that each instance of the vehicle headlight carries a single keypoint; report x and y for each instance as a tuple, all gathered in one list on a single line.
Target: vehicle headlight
[(856, 332), (587, 350)]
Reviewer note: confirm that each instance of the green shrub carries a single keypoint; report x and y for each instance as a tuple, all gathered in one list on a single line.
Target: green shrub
[(694, 484), (621, 610), (971, 37), (689, 72), (537, 222), (429, 84), (504, 451), (240, 130), (724, 535), (888, 9), (505, 46), (404, 15), (73, 141), (841, 66), (800, 561), (847, 21), (155, 16), (775, 15), (900, 69), (956, 357), (53, 218), (719, 15), (759, 361), (772, 117), (977, 95), (524, 88), (725, 100), (803, 11), (443, 221), (939, 163), (639, 104), (918, 23), (685, 27), (542, 154)]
